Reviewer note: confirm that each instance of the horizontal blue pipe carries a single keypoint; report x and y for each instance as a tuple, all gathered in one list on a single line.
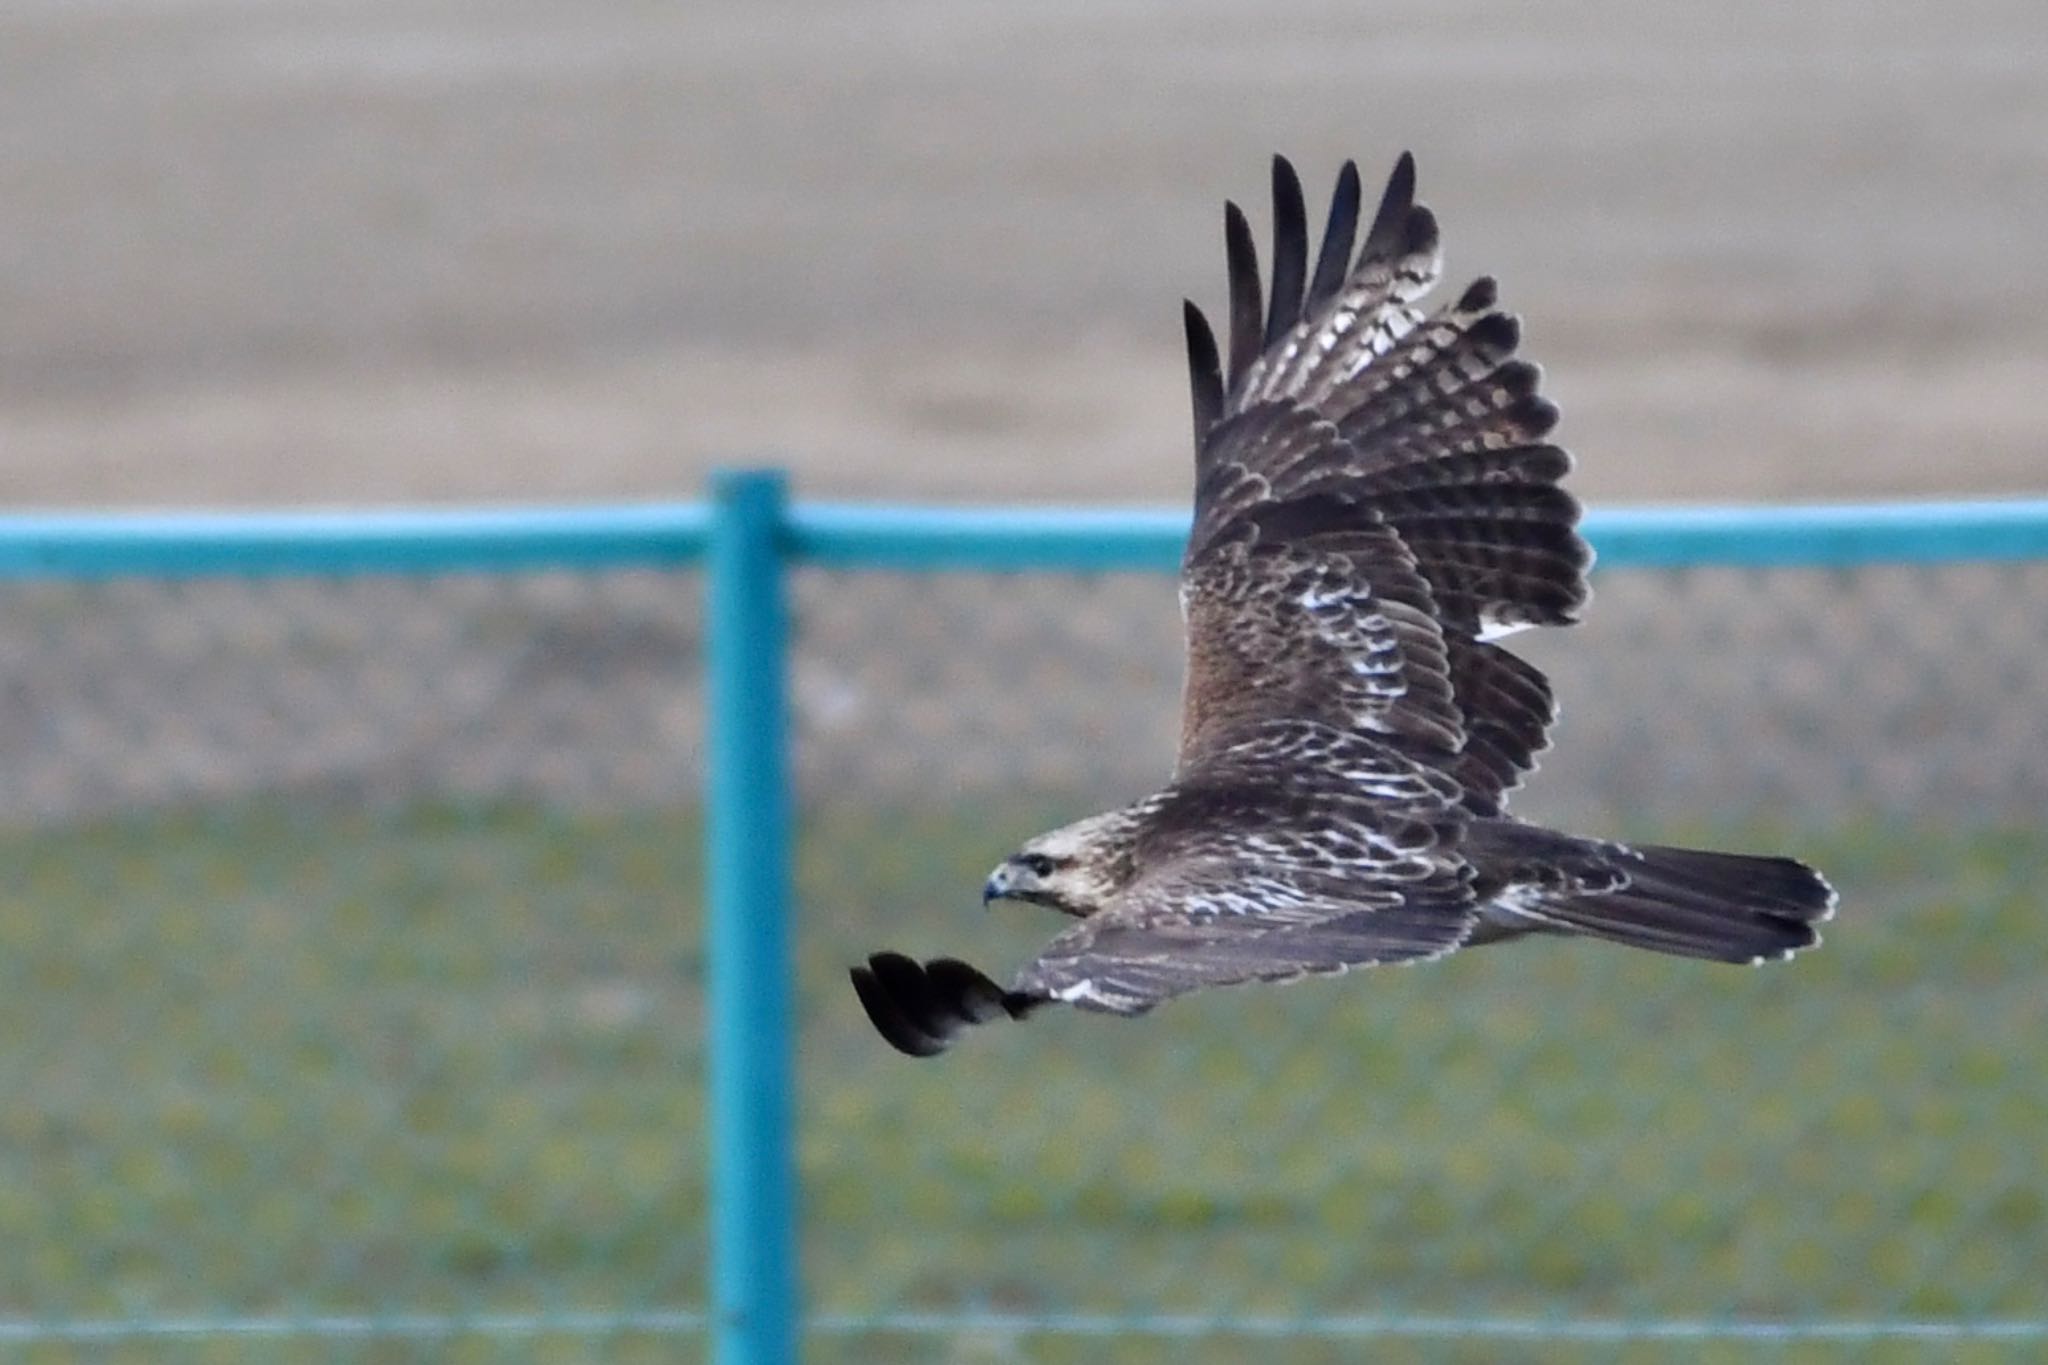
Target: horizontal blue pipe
[(1069, 539), (409, 541), (1099, 539), (259, 544), (1820, 535)]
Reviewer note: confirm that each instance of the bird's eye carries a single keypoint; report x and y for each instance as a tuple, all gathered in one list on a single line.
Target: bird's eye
[(1037, 864)]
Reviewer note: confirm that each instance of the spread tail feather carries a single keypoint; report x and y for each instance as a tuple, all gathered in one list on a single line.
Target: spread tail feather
[(1723, 907)]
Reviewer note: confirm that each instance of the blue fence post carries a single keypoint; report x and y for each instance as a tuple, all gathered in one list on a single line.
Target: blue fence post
[(749, 1020)]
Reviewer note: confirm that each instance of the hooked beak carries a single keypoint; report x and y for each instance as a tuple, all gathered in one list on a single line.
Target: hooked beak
[(996, 887)]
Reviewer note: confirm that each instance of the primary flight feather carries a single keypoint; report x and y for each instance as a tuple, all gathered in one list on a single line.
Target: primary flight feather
[(1376, 503)]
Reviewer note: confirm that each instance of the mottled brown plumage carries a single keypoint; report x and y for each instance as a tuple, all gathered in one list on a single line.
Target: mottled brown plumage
[(1375, 504)]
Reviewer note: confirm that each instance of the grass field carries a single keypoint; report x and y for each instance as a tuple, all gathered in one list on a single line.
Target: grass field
[(295, 1060)]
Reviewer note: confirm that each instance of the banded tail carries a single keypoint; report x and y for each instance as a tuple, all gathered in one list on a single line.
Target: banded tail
[(1721, 907)]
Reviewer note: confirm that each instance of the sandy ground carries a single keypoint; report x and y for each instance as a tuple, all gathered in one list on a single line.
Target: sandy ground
[(369, 250)]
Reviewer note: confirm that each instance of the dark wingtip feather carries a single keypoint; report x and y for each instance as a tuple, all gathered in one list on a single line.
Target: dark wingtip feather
[(972, 995), (1419, 235), (919, 1009), (1391, 225), (1333, 261), (1496, 333), (1290, 250), (1519, 379), (1534, 417), (1205, 372), (1479, 295), (887, 1016), (1247, 320)]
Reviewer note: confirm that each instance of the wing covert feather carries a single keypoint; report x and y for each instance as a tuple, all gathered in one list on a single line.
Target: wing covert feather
[(1309, 609)]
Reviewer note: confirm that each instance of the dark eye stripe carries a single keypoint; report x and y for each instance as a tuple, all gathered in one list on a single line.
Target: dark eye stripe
[(1037, 864)]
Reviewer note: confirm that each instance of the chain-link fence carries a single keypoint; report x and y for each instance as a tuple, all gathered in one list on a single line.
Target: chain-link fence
[(350, 972), (349, 967)]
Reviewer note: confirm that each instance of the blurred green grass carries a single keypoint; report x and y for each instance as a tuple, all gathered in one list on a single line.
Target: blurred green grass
[(290, 1058)]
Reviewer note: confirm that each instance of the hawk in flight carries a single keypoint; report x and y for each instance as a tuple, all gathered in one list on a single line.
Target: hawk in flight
[(1376, 503)]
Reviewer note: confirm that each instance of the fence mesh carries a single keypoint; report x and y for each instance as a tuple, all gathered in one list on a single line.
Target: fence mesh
[(349, 968), (349, 961)]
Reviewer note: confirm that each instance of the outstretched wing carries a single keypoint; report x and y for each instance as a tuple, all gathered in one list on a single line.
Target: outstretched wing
[(1348, 411)]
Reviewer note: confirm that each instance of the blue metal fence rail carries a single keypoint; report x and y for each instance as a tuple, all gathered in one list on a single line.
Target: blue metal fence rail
[(747, 538), (1072, 540), (287, 544)]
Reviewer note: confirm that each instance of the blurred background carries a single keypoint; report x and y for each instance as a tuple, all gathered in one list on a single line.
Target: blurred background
[(355, 250), (349, 944)]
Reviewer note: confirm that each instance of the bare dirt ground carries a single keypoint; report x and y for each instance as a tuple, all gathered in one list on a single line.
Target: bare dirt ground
[(371, 250)]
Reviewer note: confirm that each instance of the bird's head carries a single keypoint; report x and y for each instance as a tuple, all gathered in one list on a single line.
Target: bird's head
[(1073, 869)]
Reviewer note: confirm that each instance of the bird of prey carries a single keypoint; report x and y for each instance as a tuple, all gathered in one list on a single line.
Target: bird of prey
[(1376, 503)]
